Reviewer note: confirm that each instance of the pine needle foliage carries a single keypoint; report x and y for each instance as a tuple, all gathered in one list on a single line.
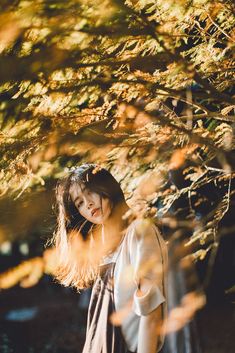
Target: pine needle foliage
[(143, 87)]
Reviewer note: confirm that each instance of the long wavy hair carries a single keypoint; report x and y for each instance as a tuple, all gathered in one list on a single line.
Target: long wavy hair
[(73, 238)]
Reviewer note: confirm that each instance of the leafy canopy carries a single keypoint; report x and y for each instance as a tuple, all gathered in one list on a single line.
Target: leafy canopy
[(142, 87)]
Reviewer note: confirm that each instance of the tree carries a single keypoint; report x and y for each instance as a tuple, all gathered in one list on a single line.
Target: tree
[(142, 87)]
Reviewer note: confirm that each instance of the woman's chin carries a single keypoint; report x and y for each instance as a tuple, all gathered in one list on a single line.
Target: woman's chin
[(100, 220), (97, 220)]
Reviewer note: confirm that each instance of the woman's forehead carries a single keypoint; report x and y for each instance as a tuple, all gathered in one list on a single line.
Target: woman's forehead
[(76, 190)]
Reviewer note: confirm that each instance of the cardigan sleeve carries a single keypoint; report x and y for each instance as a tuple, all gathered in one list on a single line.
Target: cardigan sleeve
[(148, 254)]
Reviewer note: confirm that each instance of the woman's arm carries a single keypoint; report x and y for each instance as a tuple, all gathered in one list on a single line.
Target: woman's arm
[(148, 332), (149, 259), (149, 326)]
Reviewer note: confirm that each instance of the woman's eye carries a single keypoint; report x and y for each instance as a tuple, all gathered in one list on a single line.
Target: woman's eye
[(79, 204)]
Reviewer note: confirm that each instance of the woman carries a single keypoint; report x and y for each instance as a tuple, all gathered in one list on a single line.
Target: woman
[(124, 263)]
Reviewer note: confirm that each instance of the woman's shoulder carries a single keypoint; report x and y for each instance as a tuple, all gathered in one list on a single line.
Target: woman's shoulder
[(144, 240), (141, 228), (144, 225)]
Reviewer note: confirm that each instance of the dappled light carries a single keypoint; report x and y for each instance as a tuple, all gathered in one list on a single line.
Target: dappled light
[(179, 316), (144, 89)]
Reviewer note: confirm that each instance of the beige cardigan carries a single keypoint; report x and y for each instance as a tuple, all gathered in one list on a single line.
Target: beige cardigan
[(142, 254)]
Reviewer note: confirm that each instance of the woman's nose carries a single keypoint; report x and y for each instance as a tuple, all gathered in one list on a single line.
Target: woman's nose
[(89, 203)]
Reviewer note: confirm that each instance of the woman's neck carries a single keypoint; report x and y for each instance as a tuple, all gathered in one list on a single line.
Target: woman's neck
[(114, 227)]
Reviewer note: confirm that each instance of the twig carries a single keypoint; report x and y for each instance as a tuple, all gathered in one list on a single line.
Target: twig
[(219, 28), (230, 118), (216, 239)]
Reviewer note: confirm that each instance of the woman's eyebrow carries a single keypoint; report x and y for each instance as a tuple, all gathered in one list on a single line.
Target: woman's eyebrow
[(77, 198)]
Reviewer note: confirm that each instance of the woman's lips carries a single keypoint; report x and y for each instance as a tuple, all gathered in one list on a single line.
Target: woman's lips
[(95, 211)]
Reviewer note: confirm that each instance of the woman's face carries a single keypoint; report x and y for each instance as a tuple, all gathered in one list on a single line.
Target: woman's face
[(89, 204)]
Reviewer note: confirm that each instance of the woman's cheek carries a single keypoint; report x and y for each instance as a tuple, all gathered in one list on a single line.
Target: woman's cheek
[(107, 207), (83, 212)]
